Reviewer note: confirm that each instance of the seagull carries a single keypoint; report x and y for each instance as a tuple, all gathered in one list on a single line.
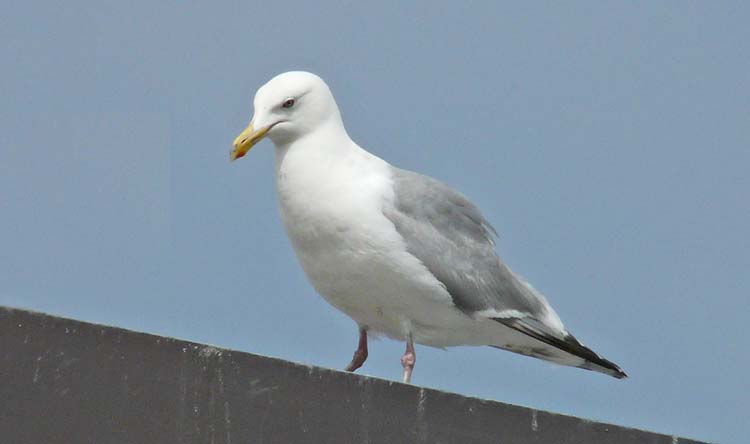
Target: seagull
[(402, 254)]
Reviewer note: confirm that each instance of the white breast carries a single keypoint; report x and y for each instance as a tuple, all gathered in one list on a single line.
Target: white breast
[(330, 202)]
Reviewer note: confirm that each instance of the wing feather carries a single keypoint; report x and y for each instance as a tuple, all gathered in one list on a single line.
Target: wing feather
[(448, 233)]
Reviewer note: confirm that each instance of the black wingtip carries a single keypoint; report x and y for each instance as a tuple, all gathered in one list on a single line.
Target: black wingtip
[(568, 344), (619, 373), (586, 353), (614, 370)]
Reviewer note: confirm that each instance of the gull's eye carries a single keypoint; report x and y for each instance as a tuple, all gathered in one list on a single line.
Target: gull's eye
[(288, 103)]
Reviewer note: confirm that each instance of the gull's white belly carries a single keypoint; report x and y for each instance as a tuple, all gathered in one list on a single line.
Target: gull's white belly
[(358, 262), (385, 291)]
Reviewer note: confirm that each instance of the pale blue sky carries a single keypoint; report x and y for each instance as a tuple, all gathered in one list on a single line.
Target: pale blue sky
[(608, 143)]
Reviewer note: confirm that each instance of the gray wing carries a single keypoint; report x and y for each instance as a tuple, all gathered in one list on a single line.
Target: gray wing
[(456, 243)]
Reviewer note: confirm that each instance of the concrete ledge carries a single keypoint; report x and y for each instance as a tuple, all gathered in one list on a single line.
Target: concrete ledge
[(65, 381)]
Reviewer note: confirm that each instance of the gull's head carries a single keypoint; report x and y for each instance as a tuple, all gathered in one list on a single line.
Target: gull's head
[(288, 107)]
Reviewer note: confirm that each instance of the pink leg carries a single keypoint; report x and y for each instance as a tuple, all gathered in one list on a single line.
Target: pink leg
[(408, 360), (360, 355)]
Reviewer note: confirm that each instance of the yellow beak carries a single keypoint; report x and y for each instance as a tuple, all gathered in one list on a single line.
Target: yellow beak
[(247, 138)]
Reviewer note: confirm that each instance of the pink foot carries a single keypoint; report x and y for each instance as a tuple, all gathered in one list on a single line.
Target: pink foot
[(360, 355), (408, 360)]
